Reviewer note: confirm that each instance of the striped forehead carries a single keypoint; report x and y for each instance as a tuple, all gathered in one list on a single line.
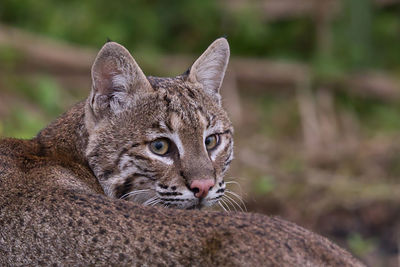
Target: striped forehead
[(180, 100), (166, 83), (185, 121), (185, 106)]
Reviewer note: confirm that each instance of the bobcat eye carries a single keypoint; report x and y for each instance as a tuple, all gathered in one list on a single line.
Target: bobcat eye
[(211, 141), (160, 146)]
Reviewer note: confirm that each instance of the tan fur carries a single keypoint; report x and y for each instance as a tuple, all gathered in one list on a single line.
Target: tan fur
[(58, 190)]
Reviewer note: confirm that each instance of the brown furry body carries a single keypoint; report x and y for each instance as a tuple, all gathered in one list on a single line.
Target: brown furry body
[(53, 210)]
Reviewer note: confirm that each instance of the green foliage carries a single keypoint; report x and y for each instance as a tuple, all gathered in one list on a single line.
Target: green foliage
[(376, 116), (292, 165), (279, 116), (363, 37), (39, 102), (359, 33), (22, 123), (358, 18), (173, 26), (48, 95), (8, 58), (386, 39), (263, 185), (360, 246)]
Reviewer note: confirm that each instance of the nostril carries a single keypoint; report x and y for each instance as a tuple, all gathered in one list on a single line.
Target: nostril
[(195, 190)]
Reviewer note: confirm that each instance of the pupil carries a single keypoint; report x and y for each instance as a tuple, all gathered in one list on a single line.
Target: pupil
[(159, 145), (208, 141)]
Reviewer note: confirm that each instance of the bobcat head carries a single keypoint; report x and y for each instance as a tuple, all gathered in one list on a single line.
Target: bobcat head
[(159, 141)]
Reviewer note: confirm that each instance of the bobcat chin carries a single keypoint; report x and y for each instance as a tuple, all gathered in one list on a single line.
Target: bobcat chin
[(157, 142)]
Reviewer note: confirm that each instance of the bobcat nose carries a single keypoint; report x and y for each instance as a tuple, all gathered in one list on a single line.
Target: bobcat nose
[(200, 188)]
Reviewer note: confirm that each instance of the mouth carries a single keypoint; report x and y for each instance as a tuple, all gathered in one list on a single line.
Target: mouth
[(192, 207), (198, 206), (186, 204)]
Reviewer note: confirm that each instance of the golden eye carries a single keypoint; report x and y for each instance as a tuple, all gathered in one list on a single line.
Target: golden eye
[(160, 146), (211, 141)]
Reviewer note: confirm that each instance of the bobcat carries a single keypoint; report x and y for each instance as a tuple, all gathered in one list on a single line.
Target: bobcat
[(156, 142)]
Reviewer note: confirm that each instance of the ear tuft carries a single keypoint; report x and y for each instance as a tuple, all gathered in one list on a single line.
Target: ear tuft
[(116, 79), (209, 69)]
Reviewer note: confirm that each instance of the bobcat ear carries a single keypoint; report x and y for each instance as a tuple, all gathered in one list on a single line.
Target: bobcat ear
[(209, 69), (116, 80)]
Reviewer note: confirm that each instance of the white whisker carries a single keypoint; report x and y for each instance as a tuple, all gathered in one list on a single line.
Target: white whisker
[(234, 201), (150, 200), (155, 202), (219, 203), (224, 203), (227, 201), (238, 197), (235, 183), (232, 182), (135, 192)]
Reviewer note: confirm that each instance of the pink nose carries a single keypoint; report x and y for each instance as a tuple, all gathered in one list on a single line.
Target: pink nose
[(201, 187)]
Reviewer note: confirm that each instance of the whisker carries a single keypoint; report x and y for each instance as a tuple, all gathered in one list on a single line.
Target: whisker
[(236, 183), (135, 192), (232, 182), (227, 201), (219, 203), (150, 200), (237, 196), (155, 202), (231, 199), (226, 205)]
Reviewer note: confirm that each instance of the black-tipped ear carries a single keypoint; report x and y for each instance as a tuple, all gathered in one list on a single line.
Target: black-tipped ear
[(209, 69), (116, 79)]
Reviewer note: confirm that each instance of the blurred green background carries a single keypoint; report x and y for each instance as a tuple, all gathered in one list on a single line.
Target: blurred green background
[(313, 90)]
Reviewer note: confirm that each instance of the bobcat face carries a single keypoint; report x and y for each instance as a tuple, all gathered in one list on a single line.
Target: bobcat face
[(159, 141)]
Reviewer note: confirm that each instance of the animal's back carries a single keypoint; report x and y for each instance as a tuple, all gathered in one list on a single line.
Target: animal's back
[(69, 227), (24, 165)]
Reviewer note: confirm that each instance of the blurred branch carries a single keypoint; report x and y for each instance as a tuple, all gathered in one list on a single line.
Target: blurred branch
[(309, 118), (374, 85), (44, 52), (259, 74)]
